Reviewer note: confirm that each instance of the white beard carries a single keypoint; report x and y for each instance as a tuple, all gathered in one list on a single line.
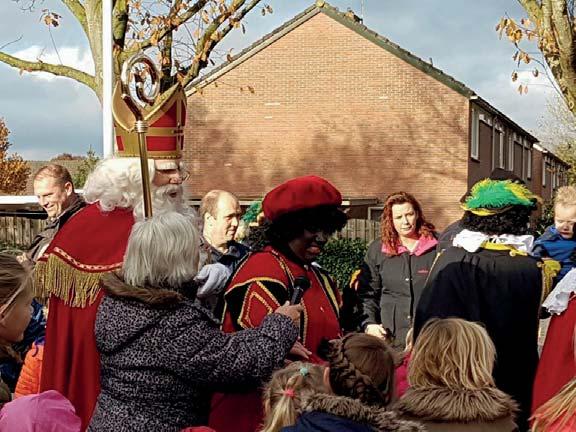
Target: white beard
[(168, 198)]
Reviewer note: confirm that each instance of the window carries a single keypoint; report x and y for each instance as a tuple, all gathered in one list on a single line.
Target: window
[(474, 139), (544, 166), (528, 159), (529, 163), (510, 152), (499, 147)]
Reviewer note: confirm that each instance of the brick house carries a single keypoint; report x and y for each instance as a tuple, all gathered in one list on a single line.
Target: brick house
[(323, 94)]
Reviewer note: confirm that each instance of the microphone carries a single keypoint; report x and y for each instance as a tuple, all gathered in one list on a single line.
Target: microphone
[(301, 284)]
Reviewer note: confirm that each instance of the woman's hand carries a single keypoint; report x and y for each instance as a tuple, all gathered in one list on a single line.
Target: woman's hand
[(376, 330), (291, 311)]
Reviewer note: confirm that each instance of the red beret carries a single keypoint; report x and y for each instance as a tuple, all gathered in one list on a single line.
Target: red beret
[(300, 193)]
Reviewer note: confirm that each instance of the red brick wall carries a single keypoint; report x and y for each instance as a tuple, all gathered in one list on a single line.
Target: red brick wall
[(329, 102)]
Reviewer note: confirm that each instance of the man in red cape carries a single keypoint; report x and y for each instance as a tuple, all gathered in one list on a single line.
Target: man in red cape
[(93, 243), (302, 214)]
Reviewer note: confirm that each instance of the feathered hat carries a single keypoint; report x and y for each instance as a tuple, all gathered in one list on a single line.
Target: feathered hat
[(489, 197)]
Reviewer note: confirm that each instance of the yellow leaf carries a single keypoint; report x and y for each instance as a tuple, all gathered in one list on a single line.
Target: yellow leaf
[(215, 36), (205, 17), (520, 88)]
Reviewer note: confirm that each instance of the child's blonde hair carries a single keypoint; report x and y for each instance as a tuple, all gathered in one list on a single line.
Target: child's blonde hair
[(284, 393), (362, 367), (559, 408), (565, 196), (452, 353)]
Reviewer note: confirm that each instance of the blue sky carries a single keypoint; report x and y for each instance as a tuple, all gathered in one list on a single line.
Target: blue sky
[(49, 115)]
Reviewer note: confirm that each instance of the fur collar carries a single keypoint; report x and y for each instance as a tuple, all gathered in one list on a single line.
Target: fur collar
[(446, 405), (115, 286), (352, 409)]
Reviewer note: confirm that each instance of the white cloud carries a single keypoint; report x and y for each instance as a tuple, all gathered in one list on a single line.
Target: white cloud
[(76, 57)]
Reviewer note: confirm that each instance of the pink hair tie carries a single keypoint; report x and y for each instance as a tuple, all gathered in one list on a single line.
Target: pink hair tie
[(289, 392)]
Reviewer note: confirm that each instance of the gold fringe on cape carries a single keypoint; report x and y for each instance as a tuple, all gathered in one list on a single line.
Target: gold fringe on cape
[(550, 269), (75, 287)]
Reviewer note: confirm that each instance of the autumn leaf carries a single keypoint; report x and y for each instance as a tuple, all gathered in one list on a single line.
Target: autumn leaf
[(520, 88), (269, 9), (514, 76), (251, 89), (535, 73), (205, 17), (525, 89)]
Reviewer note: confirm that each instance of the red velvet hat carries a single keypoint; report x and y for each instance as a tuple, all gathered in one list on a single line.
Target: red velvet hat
[(300, 193), (166, 120)]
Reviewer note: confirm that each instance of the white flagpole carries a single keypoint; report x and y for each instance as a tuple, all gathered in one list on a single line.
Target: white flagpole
[(107, 79)]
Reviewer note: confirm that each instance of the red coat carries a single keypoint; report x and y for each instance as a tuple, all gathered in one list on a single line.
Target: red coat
[(557, 363), (260, 286), (91, 244)]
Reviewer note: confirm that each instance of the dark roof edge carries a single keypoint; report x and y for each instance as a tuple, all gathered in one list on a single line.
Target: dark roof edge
[(486, 105), (251, 50), (334, 13), (549, 152), (398, 51), (362, 30)]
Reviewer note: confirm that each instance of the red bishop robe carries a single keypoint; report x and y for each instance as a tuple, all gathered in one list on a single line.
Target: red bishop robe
[(262, 284), (91, 244), (557, 365)]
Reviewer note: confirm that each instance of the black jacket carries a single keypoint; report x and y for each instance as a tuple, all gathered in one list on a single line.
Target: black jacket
[(390, 287), (501, 291)]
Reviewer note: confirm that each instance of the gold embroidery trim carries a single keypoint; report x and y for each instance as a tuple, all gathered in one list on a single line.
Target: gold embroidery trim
[(75, 287), (246, 306)]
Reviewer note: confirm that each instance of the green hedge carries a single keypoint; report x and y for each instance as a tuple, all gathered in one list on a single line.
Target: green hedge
[(341, 257)]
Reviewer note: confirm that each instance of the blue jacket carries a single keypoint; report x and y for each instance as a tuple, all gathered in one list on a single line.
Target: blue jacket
[(331, 413), (552, 245)]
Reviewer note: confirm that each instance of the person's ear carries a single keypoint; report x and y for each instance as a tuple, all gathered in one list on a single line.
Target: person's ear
[(326, 380), (68, 188)]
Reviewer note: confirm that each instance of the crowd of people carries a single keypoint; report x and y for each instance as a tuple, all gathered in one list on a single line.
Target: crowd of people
[(114, 321)]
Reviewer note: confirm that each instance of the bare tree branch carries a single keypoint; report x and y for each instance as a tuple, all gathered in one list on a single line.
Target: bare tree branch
[(10, 43), (78, 11), (206, 43), (174, 22), (58, 70)]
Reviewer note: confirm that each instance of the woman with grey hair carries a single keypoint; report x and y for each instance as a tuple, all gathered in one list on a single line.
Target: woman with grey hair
[(162, 355)]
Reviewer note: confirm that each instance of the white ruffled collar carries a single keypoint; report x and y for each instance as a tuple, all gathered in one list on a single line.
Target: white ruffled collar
[(472, 240), (557, 300)]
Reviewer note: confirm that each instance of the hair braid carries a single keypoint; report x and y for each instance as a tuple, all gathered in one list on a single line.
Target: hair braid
[(348, 380)]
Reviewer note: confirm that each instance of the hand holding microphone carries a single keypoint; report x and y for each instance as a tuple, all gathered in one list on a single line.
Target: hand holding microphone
[(301, 284)]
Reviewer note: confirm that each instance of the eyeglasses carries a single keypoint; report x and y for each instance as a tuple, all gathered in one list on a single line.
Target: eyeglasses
[(184, 175), (6, 306)]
